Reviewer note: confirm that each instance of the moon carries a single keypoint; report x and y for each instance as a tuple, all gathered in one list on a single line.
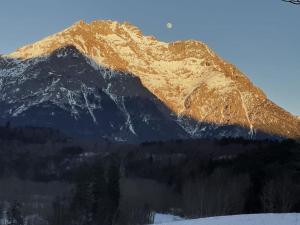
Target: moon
[(169, 25)]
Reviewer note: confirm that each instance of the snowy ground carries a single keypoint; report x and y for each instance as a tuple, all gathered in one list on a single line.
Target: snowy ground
[(255, 219), (165, 218)]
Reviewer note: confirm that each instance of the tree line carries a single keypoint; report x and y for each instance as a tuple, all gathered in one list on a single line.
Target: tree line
[(114, 184)]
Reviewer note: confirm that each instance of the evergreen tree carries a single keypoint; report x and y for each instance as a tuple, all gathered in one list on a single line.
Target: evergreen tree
[(14, 215), (113, 187), (100, 195), (60, 212), (1, 212), (83, 199), (7, 125), (97, 194)]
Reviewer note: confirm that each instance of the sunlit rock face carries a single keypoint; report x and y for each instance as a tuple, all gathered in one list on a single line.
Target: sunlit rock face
[(107, 79)]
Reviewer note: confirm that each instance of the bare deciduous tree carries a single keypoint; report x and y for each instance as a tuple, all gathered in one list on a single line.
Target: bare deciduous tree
[(296, 2), (215, 195), (278, 195)]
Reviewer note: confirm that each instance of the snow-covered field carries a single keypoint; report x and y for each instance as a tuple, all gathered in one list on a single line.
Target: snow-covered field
[(254, 219), (165, 218)]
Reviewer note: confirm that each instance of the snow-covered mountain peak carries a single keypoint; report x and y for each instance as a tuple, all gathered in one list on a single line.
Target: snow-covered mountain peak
[(187, 76)]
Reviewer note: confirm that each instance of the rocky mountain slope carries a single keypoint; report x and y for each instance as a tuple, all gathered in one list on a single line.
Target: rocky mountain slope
[(106, 79)]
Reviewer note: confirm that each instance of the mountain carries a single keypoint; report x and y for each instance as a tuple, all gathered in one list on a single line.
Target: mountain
[(64, 90), (106, 79)]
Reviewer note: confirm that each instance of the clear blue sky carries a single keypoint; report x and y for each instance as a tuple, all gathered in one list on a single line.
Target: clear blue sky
[(261, 37)]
